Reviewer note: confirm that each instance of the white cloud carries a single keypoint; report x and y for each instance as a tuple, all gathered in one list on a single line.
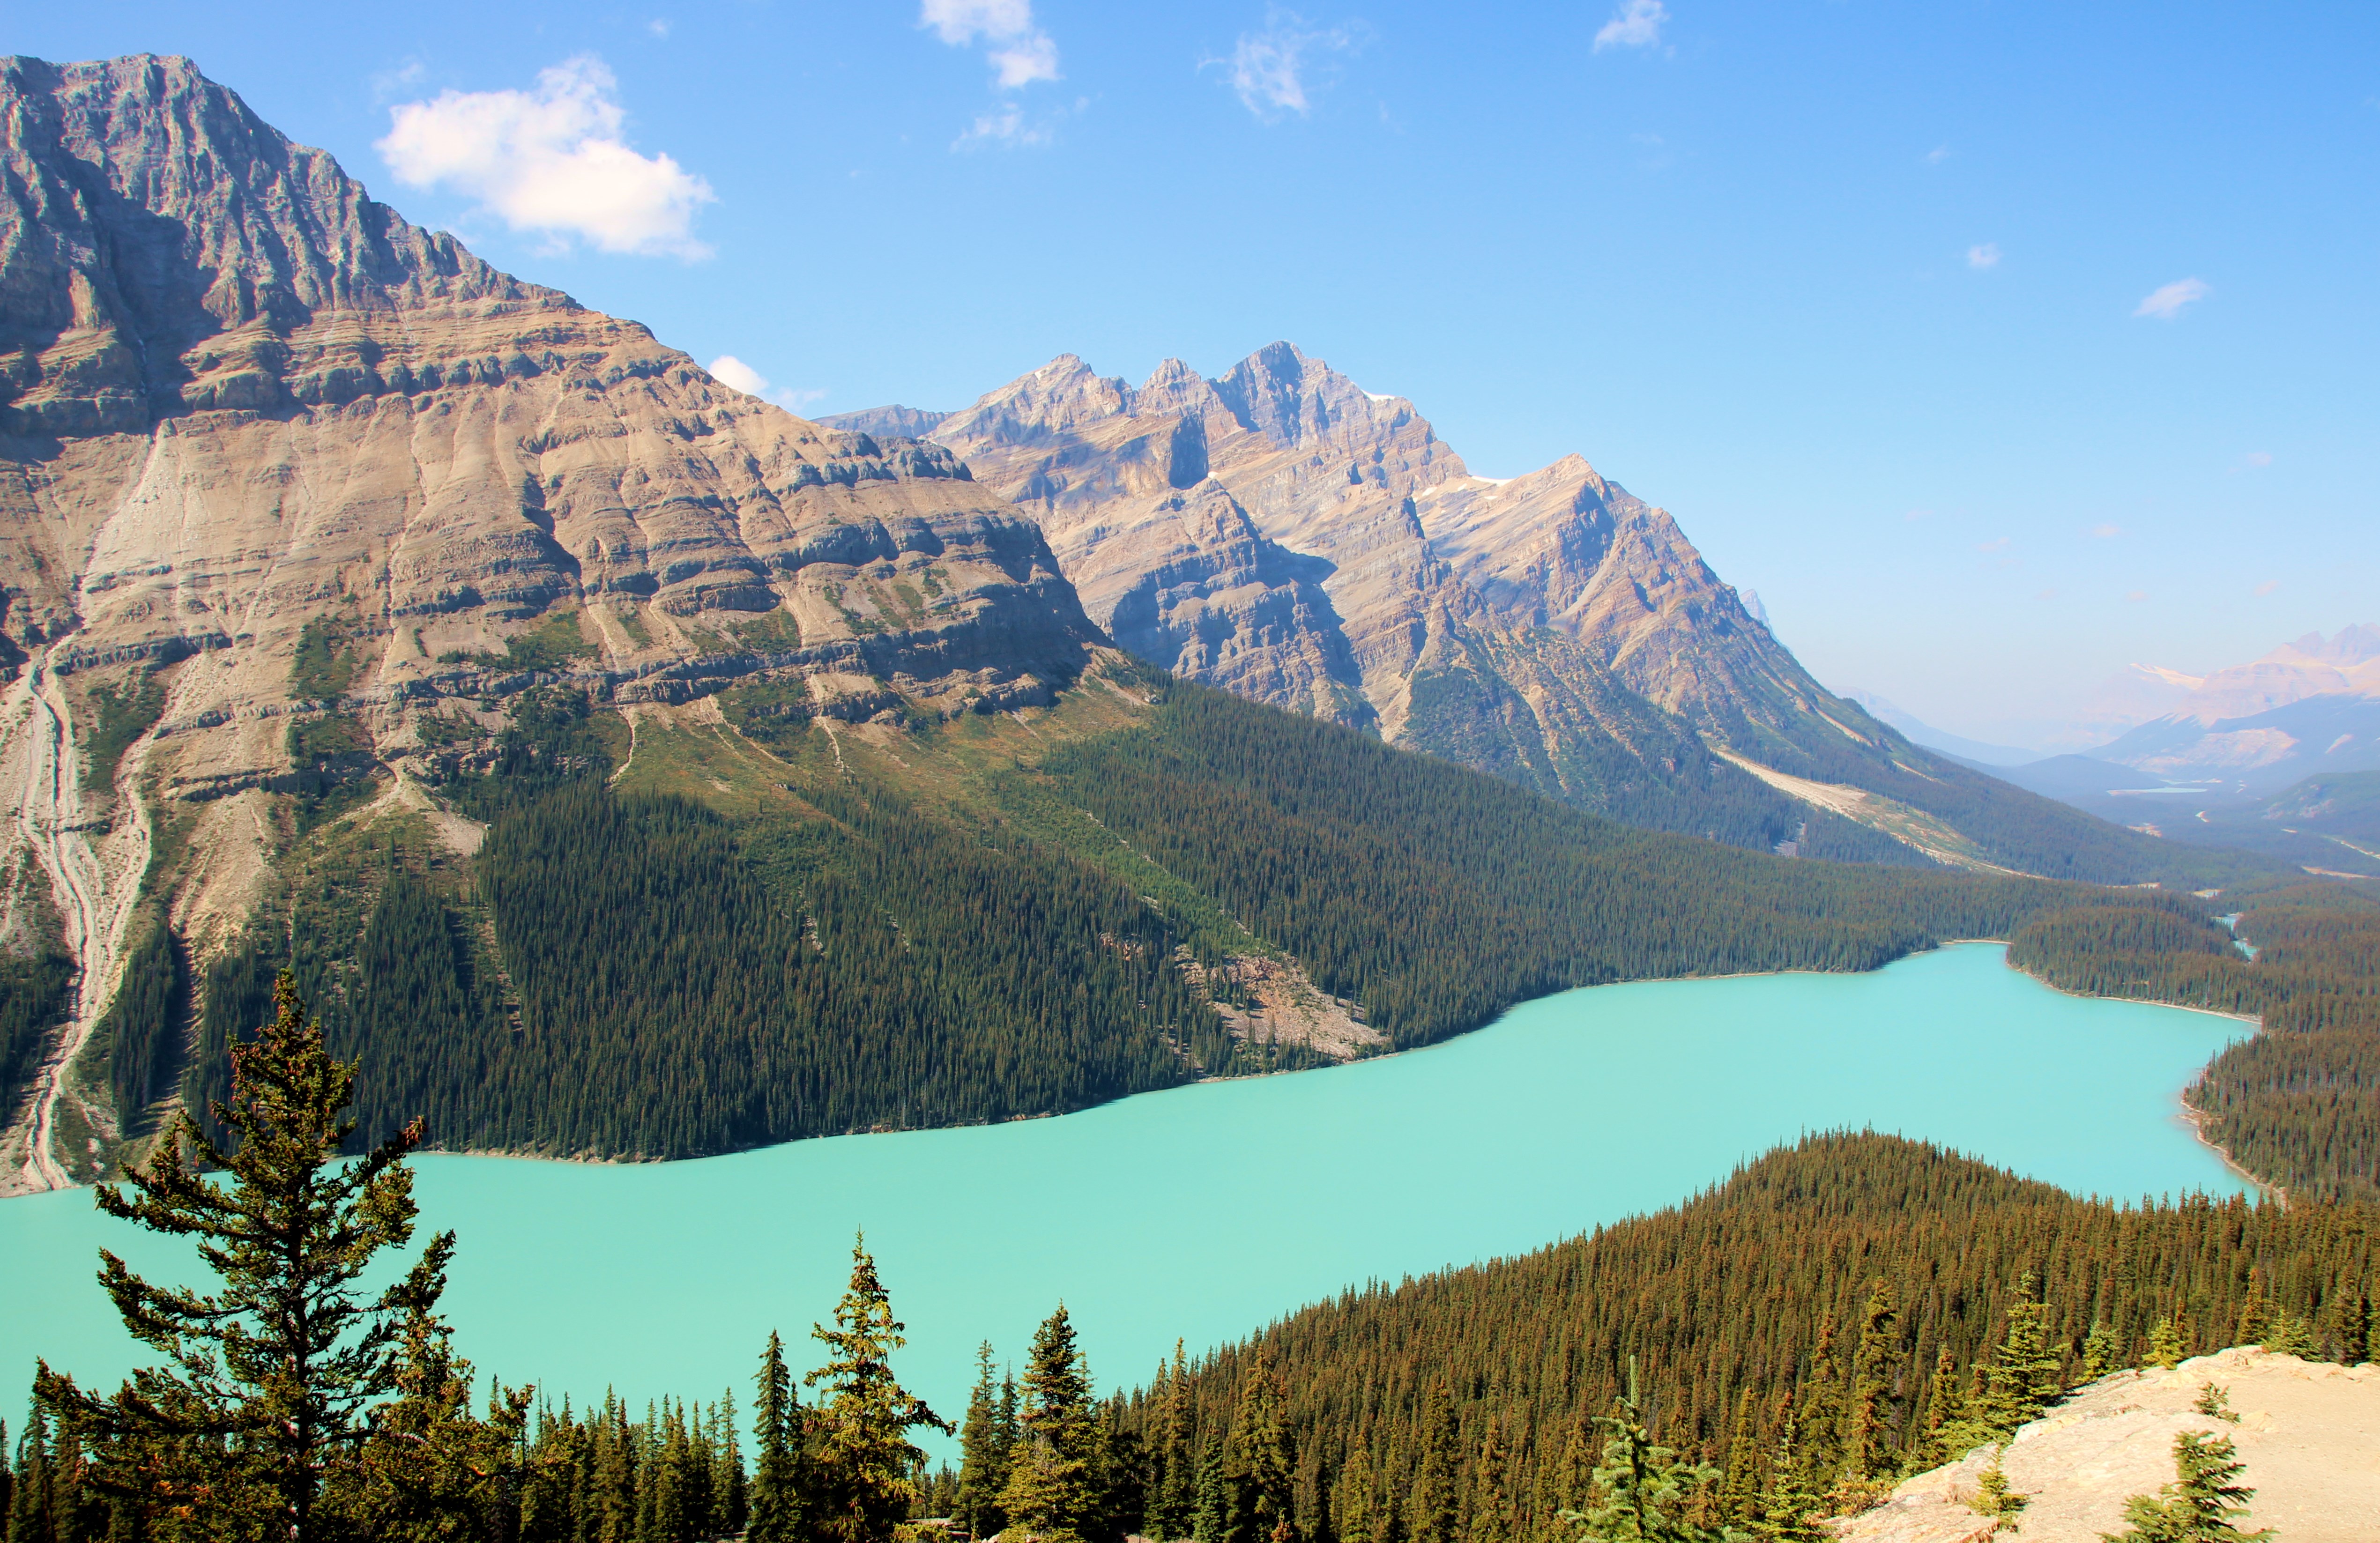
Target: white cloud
[(659, 27), (2166, 302), (2136, 596), (727, 370), (2260, 457), (1268, 68), (1636, 25), (1998, 543), (2105, 532), (1020, 53), (2268, 586), (1984, 255), (1938, 154), (551, 158)]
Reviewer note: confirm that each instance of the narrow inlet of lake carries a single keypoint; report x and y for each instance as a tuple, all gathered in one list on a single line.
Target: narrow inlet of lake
[(1207, 1211)]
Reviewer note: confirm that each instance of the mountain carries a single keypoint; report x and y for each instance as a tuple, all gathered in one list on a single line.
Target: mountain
[(1283, 533), (2261, 752), (627, 766), (1974, 752), (284, 479)]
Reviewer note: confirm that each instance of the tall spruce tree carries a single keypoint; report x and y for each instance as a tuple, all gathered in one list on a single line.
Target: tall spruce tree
[(1055, 1489), (2024, 1376), (1431, 1505), (1175, 1499), (1871, 1421), (776, 1500), (863, 1480), (985, 1439), (274, 1376), (1267, 1456)]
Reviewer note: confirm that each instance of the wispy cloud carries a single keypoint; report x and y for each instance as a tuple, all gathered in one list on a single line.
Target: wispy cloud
[(659, 27), (1019, 52), (2106, 532), (551, 158), (1985, 254), (1007, 125), (2268, 586), (1998, 543), (2165, 303), (1637, 24), (1272, 69), (2046, 594), (2260, 457), (2136, 596), (1938, 154)]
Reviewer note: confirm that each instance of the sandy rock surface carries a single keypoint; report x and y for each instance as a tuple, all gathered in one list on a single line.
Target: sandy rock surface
[(2309, 1432)]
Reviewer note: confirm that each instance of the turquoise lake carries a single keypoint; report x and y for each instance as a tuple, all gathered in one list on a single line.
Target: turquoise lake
[(1207, 1211)]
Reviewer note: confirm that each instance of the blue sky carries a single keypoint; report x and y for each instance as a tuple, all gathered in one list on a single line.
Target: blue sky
[(1856, 290)]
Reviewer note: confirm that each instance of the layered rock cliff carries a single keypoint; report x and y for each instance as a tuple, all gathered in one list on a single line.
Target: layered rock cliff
[(1344, 561), (243, 406)]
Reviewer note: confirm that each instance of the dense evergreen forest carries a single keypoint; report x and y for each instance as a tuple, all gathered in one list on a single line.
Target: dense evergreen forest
[(1779, 1349), (1833, 1316), (2298, 1104), (36, 991), (641, 976)]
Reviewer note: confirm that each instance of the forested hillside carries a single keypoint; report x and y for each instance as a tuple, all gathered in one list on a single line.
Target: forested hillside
[(791, 935), (1831, 1316), (2299, 1103)]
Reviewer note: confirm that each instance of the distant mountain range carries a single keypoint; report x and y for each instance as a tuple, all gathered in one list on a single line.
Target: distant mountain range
[(1281, 531)]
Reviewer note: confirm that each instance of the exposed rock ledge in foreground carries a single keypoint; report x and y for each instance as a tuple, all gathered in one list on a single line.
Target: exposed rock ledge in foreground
[(2309, 1432)]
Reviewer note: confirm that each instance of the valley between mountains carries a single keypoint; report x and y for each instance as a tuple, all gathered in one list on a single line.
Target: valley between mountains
[(630, 768)]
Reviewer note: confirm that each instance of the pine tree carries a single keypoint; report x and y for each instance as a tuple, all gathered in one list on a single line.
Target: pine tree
[(1177, 1485), (1265, 1455), (1053, 1489), (1217, 1519), (776, 1497), (31, 1518), (1946, 1411), (1871, 1426), (866, 1466), (1995, 1500), (430, 1469), (1642, 1488), (1823, 1404), (984, 1441), (2200, 1501), (1791, 1502), (2099, 1352), (274, 1378), (1739, 1491), (2287, 1334), (2165, 1346), (730, 1490), (1430, 1510), (2023, 1375), (1352, 1511)]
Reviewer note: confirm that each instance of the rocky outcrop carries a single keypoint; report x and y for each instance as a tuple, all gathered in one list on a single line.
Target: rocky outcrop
[(1282, 531), (2306, 1431), (239, 393), (240, 400)]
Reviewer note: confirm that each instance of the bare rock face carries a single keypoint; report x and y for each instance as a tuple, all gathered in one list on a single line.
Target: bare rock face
[(242, 404), (2306, 1431), (234, 393), (1552, 627)]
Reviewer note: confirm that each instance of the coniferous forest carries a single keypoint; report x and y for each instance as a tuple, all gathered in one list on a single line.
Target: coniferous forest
[(1780, 1348), (633, 975)]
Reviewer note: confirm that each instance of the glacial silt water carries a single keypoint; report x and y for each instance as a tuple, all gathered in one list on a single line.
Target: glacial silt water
[(1205, 1211)]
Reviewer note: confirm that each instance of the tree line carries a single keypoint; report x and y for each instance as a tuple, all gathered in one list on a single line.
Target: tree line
[(2298, 1104)]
